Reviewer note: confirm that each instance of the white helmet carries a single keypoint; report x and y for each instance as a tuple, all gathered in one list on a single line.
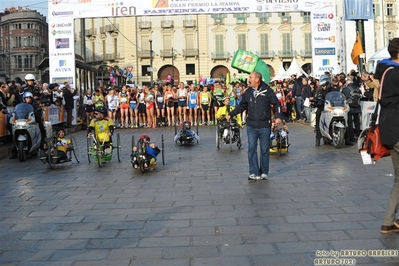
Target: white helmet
[(30, 77)]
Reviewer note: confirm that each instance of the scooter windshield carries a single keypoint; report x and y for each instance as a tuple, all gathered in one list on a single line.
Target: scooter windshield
[(335, 99), (23, 110)]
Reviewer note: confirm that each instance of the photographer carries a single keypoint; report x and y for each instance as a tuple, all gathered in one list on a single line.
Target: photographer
[(371, 87)]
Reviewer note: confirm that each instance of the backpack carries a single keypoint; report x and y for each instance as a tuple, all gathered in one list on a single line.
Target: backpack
[(354, 96)]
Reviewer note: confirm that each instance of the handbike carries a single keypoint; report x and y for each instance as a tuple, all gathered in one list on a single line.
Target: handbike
[(185, 136), (52, 152), (279, 141), (143, 162), (229, 133), (98, 147)]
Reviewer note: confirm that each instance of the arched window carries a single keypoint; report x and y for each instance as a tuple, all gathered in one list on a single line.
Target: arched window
[(19, 61)]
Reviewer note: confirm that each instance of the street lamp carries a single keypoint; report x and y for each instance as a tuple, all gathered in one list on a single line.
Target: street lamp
[(151, 74)]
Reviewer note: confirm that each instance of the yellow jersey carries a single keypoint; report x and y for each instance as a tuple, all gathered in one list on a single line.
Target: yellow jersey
[(222, 112), (61, 144), (101, 128)]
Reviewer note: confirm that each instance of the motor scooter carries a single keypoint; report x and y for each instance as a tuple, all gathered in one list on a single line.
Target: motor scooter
[(26, 132), (333, 119)]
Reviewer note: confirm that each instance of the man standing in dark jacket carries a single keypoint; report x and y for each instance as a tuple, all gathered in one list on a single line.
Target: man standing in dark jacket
[(258, 100), (307, 97), (389, 128), (69, 103)]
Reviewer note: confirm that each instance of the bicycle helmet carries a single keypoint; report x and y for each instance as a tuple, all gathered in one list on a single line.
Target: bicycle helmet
[(187, 124), (145, 137), (101, 109), (27, 94), (30, 77)]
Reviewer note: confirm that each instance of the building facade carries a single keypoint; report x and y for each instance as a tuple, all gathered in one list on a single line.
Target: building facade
[(23, 42)]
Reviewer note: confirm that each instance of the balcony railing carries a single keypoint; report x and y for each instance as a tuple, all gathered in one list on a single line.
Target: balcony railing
[(168, 53), (112, 56), (190, 52), (220, 55), (145, 25), (286, 53), (189, 23), (102, 30), (391, 18), (167, 24), (306, 19), (241, 21), (305, 53), (265, 53), (144, 54), (111, 28), (96, 58), (91, 32)]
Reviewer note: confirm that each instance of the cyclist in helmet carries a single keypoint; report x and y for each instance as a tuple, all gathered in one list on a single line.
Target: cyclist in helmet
[(151, 153), (62, 146), (30, 86), (190, 135), (103, 128), (29, 99), (318, 102)]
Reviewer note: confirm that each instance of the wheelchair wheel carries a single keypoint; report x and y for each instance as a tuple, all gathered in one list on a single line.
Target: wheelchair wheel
[(231, 139), (75, 149), (88, 149), (163, 150), (118, 144), (217, 138), (50, 152), (239, 144), (131, 148), (279, 146), (99, 155)]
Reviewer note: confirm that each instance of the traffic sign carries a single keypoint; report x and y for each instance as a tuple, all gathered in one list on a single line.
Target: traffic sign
[(152, 69)]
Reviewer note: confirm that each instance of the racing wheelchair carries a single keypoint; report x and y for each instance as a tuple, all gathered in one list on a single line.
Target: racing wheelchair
[(53, 154), (186, 135), (144, 158), (279, 141), (98, 148), (228, 133)]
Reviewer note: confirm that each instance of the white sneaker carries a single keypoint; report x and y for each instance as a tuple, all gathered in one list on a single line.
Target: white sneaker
[(253, 177), (264, 177)]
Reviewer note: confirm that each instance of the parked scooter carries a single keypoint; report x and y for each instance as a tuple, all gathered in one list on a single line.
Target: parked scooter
[(25, 131), (333, 119)]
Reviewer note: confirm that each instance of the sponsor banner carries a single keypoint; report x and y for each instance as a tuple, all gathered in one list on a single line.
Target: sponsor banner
[(359, 9), (63, 12), (112, 8), (61, 49)]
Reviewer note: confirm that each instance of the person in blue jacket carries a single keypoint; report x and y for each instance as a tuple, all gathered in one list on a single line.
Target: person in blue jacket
[(151, 153), (258, 100)]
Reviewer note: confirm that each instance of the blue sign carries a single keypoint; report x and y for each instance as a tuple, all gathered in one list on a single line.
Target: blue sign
[(359, 9)]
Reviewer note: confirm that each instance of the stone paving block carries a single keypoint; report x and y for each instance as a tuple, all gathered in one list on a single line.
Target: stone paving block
[(163, 262), (103, 263), (191, 252), (282, 260), (94, 234), (219, 240), (331, 226), (104, 218), (122, 225), (258, 238), (75, 219), (231, 261), (313, 211), (307, 218), (260, 221), (192, 231), (214, 222), (299, 247), (135, 253), (76, 255), (14, 244), (115, 243), (46, 235), (164, 242), (326, 235), (53, 213), (285, 227), (47, 263), (268, 213), (20, 255), (351, 217), (248, 250), (363, 209), (61, 244), (192, 215)]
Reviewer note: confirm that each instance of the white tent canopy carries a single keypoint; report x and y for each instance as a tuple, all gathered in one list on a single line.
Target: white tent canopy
[(378, 56), (281, 74), (295, 68)]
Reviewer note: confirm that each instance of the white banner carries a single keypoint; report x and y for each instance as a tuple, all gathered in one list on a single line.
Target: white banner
[(62, 13)]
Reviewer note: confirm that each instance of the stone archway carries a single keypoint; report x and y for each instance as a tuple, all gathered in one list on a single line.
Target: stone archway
[(271, 71), (219, 72), (163, 72), (307, 68)]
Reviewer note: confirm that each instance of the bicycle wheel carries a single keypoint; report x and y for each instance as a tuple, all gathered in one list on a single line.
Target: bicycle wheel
[(118, 143), (217, 138), (88, 149), (239, 144), (131, 148), (50, 152), (162, 150), (75, 149)]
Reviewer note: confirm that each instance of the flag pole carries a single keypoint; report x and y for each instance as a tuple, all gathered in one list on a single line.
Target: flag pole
[(360, 29)]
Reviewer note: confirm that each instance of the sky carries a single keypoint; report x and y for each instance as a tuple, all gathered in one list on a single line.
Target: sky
[(38, 5)]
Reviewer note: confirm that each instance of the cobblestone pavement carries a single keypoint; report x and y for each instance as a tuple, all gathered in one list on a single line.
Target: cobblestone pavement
[(198, 209)]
